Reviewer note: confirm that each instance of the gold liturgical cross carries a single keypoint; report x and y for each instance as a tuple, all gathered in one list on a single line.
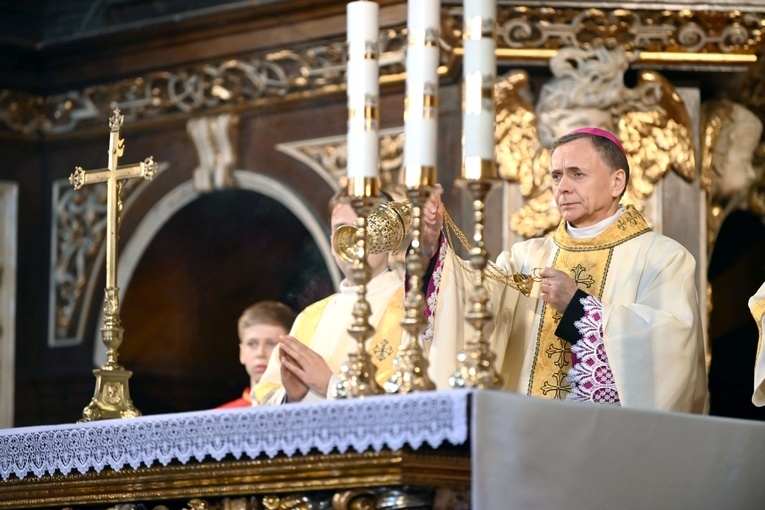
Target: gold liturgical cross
[(112, 397)]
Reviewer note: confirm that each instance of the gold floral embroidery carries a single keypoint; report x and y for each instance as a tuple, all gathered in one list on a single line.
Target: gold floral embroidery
[(587, 261)]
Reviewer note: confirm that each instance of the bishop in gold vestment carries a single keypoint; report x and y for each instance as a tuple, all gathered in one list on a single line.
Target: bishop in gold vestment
[(637, 319), (615, 318)]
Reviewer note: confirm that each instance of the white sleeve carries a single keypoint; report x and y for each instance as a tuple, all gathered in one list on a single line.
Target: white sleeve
[(757, 307)]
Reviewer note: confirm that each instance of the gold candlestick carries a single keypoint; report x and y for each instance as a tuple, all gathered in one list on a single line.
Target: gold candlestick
[(357, 375), (475, 364), (410, 366), (112, 396)]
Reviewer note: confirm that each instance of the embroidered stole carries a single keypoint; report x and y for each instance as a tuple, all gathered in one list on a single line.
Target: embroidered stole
[(587, 262), (383, 347)]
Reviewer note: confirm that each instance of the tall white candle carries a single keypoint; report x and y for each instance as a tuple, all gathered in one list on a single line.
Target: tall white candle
[(363, 92), (479, 11), (421, 113), (422, 14), (479, 68), (362, 21)]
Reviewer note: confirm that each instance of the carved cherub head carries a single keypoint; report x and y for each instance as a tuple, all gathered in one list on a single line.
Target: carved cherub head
[(731, 137), (588, 90)]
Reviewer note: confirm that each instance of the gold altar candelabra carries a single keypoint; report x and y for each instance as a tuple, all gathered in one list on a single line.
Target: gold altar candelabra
[(410, 367), (475, 364), (112, 395), (357, 375), (420, 133)]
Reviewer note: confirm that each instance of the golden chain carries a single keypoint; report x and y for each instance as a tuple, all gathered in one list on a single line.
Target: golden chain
[(518, 281)]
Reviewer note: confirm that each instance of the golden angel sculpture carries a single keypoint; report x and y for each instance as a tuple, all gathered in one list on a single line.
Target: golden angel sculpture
[(588, 89)]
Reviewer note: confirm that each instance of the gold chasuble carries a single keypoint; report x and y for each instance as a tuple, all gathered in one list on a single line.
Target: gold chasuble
[(383, 346), (587, 262), (649, 320), (323, 327)]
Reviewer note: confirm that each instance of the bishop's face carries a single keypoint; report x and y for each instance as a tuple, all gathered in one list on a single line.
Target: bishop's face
[(585, 191), (343, 214)]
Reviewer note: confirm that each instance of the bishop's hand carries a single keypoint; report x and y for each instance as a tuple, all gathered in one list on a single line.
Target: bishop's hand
[(432, 220), (557, 288)]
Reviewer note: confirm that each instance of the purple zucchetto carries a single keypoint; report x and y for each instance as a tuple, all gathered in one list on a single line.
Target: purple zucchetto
[(601, 133)]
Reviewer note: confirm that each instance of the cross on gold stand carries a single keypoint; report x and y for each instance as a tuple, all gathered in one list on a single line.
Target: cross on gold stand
[(112, 396)]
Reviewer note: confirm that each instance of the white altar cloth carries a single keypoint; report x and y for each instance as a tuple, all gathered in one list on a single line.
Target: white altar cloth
[(530, 453), (526, 453), (362, 424)]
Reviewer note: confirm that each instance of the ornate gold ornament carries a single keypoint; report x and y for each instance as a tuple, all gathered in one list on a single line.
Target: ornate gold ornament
[(79, 231), (235, 83), (387, 226), (329, 156), (666, 38), (588, 89), (357, 375), (475, 363), (317, 476), (112, 397), (657, 35), (347, 499), (411, 365)]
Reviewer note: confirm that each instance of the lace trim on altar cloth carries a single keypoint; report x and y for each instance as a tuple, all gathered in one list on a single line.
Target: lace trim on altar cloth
[(374, 423), (432, 292), (590, 376)]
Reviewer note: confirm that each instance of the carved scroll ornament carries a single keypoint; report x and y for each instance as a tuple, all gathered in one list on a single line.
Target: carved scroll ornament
[(661, 36)]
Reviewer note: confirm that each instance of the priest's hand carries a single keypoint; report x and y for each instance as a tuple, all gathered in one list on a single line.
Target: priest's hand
[(295, 388), (302, 369), (432, 220), (557, 288)]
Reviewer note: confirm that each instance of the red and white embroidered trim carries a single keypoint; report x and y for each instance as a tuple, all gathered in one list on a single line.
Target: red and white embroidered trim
[(431, 295), (590, 375)]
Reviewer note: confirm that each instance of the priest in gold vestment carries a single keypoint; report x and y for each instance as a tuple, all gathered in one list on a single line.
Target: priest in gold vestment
[(304, 366), (614, 316), (757, 307)]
